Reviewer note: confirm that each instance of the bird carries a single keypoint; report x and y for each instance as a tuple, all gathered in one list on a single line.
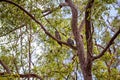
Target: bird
[(70, 42), (57, 35)]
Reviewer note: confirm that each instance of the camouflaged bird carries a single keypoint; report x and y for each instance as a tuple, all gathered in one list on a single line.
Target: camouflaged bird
[(70, 42), (57, 35)]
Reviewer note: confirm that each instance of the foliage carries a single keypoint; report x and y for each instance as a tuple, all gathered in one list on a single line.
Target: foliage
[(10, 77), (20, 35)]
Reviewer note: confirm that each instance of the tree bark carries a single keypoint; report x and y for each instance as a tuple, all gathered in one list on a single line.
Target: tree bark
[(87, 71), (85, 63)]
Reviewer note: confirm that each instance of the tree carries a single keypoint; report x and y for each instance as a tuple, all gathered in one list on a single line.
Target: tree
[(80, 20)]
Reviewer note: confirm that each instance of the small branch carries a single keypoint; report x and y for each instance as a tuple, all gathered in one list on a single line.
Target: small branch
[(99, 45), (109, 26), (108, 45), (30, 75), (21, 49), (5, 67), (103, 47), (49, 11), (14, 61), (32, 17), (12, 30), (29, 51), (24, 75)]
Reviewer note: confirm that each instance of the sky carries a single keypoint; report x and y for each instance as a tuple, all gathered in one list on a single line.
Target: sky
[(118, 2)]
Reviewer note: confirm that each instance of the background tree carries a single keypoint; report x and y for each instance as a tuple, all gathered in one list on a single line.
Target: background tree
[(29, 48)]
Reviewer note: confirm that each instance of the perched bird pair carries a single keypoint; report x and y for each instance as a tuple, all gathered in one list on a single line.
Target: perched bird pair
[(69, 41)]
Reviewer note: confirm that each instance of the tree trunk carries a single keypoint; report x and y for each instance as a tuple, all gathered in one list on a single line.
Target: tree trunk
[(87, 72), (86, 69), (87, 75)]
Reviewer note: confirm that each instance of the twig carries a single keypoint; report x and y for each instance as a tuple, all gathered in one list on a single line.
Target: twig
[(12, 30)]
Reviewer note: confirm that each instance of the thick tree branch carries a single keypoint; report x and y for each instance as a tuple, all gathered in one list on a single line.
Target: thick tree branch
[(78, 39), (23, 75), (5, 67), (88, 28), (46, 32), (108, 45), (88, 33)]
